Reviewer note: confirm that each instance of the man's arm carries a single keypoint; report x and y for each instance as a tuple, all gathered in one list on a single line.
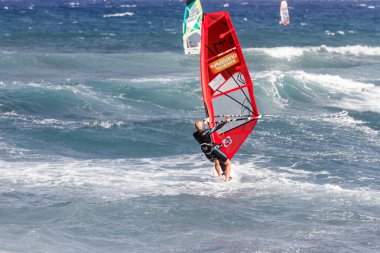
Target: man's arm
[(217, 127), (196, 137)]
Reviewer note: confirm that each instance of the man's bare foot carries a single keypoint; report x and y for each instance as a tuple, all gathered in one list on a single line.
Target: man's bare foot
[(226, 180)]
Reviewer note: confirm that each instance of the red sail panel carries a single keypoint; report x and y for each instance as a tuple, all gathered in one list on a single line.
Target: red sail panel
[(227, 88)]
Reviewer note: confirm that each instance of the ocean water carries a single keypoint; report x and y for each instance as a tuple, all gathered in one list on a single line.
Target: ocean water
[(97, 104)]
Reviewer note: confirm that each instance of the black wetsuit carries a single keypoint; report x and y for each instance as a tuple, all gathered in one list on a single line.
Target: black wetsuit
[(209, 148)]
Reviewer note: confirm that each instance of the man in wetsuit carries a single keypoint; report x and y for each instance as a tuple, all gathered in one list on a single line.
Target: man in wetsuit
[(211, 150)]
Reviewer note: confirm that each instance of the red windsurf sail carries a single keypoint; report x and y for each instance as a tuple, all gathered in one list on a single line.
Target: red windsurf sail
[(227, 88)]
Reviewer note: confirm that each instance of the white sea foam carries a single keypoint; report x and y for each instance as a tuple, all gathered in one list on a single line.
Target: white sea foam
[(65, 124), (11, 150), (357, 50), (128, 178), (283, 52), (331, 89), (118, 14), (155, 80), (365, 178), (275, 79), (32, 121), (128, 5), (289, 53), (106, 123), (7, 251), (78, 89), (74, 4), (296, 171), (358, 96), (342, 119), (82, 92), (12, 115), (293, 185), (7, 52)]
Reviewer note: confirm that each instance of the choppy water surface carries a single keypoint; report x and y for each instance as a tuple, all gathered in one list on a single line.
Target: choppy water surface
[(97, 102)]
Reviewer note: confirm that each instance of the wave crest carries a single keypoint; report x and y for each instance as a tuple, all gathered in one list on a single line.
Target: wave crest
[(304, 89), (119, 14), (290, 53)]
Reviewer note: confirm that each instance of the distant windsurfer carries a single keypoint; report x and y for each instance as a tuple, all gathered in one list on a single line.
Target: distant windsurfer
[(211, 150), (284, 13)]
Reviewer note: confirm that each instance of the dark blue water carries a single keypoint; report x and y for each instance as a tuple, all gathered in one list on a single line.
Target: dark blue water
[(97, 103)]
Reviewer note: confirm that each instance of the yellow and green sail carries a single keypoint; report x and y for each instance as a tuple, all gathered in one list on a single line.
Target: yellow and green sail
[(192, 24)]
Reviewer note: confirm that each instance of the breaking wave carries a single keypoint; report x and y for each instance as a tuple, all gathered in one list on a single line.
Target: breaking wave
[(119, 14), (293, 52)]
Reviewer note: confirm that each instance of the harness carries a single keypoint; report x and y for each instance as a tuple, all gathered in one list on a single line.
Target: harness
[(207, 148)]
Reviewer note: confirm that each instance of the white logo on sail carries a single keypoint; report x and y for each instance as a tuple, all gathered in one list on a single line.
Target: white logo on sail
[(227, 141)]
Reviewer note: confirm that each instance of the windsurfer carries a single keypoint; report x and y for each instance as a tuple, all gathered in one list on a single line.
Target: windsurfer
[(211, 150)]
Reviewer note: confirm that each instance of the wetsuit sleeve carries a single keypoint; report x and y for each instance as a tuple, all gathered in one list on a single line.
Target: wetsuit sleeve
[(196, 137), (217, 127)]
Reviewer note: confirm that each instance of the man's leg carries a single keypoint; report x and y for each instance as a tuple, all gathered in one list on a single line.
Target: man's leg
[(216, 163), (228, 170), (223, 167), (222, 158), (217, 168)]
